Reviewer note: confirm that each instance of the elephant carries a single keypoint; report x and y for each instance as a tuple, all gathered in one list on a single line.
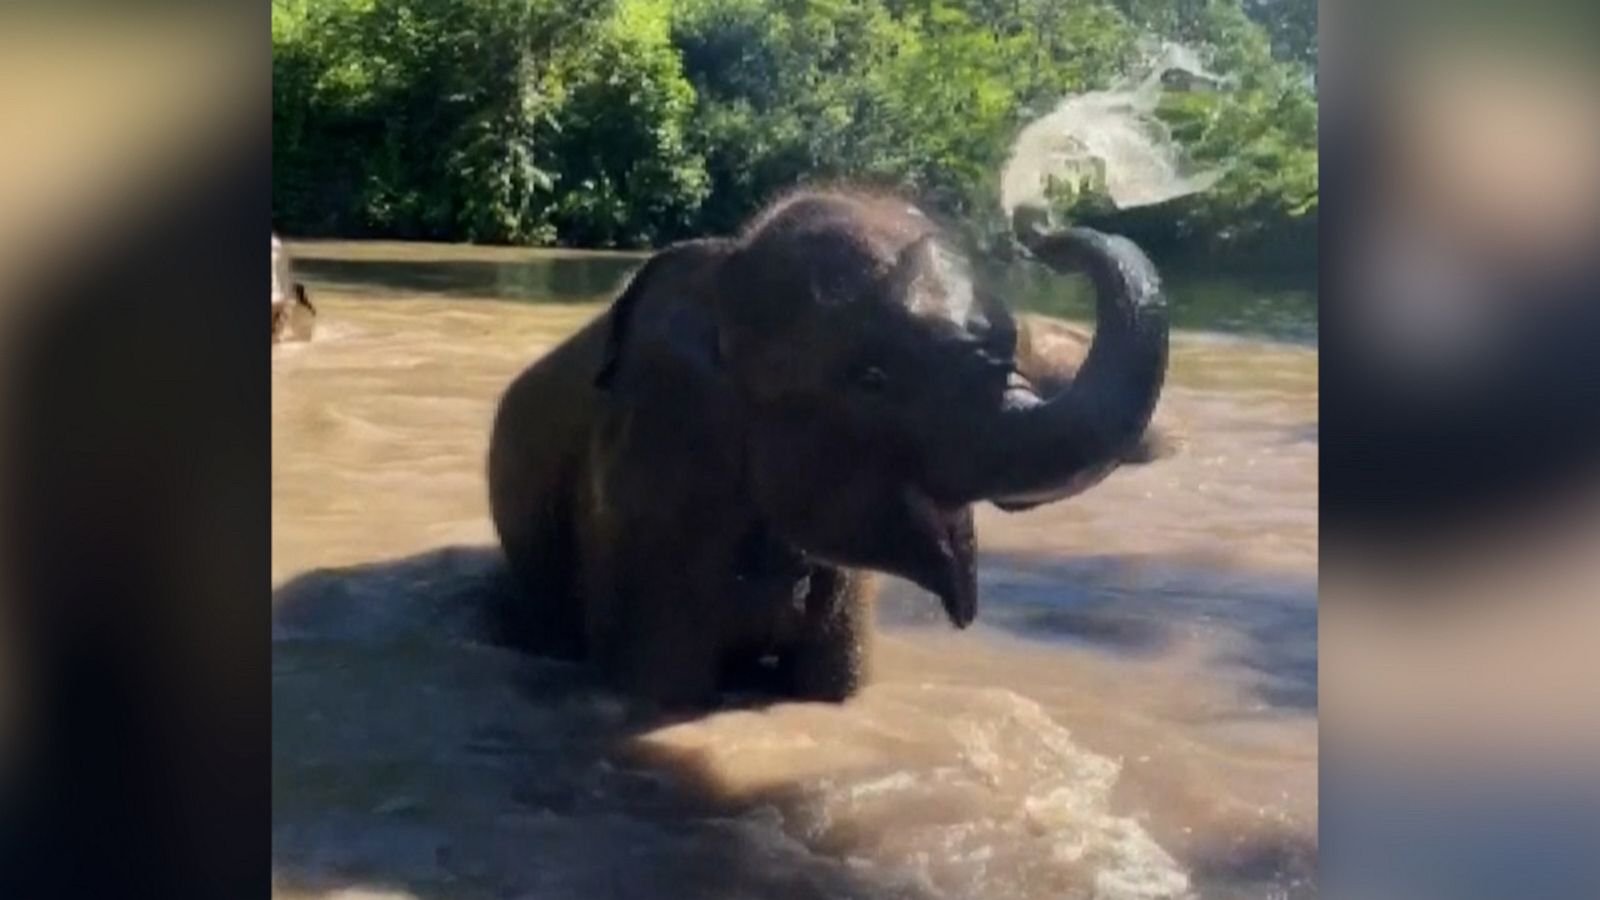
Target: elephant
[(293, 316), (706, 481)]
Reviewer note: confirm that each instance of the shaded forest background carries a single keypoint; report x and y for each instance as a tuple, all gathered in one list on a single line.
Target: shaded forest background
[(631, 123)]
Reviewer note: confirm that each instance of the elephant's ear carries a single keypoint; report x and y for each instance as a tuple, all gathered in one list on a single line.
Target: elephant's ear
[(663, 321)]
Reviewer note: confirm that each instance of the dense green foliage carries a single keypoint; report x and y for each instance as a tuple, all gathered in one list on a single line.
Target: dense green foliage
[(1261, 129), (634, 122)]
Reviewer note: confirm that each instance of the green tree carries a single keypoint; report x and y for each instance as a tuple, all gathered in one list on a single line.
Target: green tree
[(634, 122), (628, 175), (417, 118)]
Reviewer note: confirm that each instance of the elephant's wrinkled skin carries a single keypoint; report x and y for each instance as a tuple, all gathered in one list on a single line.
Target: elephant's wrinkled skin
[(293, 316), (704, 476)]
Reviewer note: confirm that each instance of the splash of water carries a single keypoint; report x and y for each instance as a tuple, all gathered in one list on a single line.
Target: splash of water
[(1111, 139)]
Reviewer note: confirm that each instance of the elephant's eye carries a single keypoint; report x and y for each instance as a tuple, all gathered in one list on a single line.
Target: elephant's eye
[(871, 378)]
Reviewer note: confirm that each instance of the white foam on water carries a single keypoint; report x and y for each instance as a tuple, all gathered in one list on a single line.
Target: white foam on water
[(993, 798), (1111, 137)]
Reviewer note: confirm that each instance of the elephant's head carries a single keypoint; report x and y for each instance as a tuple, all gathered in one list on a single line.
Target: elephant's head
[(872, 381)]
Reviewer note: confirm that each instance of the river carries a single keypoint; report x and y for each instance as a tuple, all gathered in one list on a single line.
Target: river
[(1133, 716)]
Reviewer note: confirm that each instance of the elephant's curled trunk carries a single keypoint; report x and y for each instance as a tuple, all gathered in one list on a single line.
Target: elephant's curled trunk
[(1048, 449)]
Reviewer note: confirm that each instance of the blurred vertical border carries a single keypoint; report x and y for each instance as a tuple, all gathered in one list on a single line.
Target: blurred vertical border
[(1460, 493), (134, 450)]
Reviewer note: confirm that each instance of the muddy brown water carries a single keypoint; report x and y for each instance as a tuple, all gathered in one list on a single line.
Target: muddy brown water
[(1133, 716)]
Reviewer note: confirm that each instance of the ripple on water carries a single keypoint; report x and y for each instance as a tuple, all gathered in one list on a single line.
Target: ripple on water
[(973, 792)]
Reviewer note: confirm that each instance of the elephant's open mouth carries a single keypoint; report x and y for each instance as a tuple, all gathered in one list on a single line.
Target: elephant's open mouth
[(955, 578), (961, 603)]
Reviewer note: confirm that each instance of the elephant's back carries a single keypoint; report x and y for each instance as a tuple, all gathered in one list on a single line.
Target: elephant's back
[(1049, 349), (1050, 352)]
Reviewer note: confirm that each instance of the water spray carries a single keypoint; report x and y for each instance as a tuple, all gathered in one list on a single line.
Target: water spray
[(1110, 141)]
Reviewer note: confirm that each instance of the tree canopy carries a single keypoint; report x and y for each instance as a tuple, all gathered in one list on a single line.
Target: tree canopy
[(628, 123)]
